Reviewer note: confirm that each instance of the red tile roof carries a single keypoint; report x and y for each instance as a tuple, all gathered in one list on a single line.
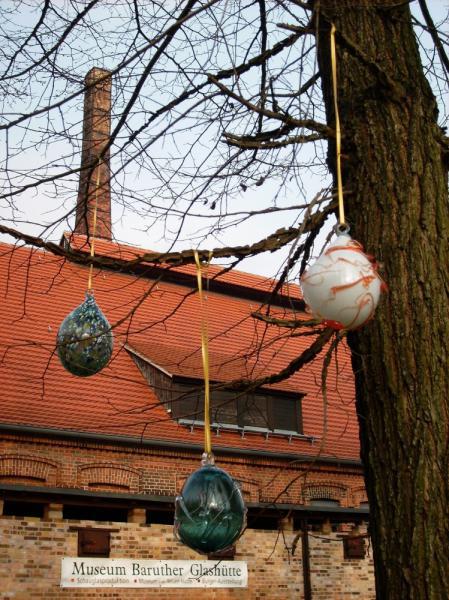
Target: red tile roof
[(162, 321), (235, 278), (188, 363)]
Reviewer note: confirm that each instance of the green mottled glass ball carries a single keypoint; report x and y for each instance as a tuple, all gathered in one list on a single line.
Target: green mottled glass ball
[(84, 340), (210, 513)]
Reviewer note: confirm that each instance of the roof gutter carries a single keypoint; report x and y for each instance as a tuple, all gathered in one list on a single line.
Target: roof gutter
[(172, 445)]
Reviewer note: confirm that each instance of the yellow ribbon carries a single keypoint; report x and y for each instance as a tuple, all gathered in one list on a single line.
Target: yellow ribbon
[(341, 208), (204, 353), (94, 228)]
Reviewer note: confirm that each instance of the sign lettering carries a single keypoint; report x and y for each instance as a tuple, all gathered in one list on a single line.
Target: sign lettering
[(130, 573)]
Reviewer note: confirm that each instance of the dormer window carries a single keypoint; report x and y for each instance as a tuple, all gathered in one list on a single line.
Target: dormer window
[(264, 410)]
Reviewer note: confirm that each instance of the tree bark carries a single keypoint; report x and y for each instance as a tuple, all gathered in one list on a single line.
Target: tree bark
[(398, 209)]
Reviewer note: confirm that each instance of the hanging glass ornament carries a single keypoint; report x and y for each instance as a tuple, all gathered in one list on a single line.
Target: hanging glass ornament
[(210, 513), (85, 340), (343, 286)]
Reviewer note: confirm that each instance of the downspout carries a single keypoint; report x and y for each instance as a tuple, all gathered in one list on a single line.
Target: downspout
[(306, 561)]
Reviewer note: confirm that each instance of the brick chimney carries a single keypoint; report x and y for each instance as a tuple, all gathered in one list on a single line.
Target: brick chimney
[(96, 132)]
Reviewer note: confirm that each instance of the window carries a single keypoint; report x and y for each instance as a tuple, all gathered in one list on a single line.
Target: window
[(94, 542), (160, 517), (266, 411), (261, 521), (183, 398), (94, 513), (353, 547), (324, 502), (12, 508), (323, 493)]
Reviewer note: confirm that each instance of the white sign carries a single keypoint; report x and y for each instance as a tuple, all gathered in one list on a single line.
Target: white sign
[(130, 573)]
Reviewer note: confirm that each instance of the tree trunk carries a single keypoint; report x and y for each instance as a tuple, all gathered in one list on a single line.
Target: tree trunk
[(397, 206)]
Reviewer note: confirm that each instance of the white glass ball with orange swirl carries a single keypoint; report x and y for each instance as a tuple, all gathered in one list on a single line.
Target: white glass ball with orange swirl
[(343, 287)]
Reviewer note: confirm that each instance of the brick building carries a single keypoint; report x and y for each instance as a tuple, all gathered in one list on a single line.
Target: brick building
[(91, 466)]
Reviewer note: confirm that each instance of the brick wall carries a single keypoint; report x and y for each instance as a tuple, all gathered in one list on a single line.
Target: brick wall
[(140, 470), (336, 578), (31, 549)]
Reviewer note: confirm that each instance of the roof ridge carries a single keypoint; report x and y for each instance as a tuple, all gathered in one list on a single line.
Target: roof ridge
[(69, 235), (289, 294)]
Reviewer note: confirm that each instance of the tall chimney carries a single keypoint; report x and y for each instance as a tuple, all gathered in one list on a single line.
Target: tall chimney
[(96, 133)]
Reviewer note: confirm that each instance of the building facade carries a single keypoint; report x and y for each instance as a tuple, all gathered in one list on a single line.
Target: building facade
[(90, 466)]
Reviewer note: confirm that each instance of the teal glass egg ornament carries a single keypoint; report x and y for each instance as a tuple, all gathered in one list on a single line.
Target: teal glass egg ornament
[(84, 342), (210, 513)]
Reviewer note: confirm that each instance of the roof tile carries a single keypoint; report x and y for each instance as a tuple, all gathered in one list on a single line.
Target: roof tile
[(161, 320)]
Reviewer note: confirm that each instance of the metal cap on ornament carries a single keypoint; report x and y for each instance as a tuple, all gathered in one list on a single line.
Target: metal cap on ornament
[(342, 288)]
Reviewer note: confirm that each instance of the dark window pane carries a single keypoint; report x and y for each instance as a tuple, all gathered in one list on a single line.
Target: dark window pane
[(263, 522), (223, 408), (94, 513), (160, 517), (187, 403), (284, 414), (253, 411), (23, 509)]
